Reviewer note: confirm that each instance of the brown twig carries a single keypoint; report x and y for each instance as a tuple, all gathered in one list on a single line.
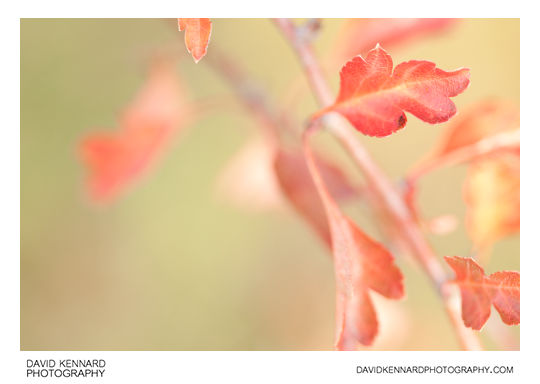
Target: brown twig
[(385, 190)]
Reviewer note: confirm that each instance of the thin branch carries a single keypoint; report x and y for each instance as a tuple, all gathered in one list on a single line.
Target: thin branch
[(274, 122), (389, 196)]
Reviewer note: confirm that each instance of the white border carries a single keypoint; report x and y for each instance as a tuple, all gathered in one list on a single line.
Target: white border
[(266, 366), (274, 8)]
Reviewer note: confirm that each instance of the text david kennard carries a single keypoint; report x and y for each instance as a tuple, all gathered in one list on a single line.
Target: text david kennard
[(65, 368)]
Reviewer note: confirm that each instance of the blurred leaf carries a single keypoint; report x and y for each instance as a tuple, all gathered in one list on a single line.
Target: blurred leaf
[(297, 186), (360, 264), (116, 159), (479, 121), (492, 195), (360, 35)]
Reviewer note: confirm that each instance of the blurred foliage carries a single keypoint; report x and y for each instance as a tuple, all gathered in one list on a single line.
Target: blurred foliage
[(171, 266)]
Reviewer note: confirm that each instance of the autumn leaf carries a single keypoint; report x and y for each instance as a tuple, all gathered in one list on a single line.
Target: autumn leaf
[(374, 96), (483, 131), (491, 193), (489, 127), (116, 159), (479, 292), (297, 186), (478, 122), (361, 264), (197, 36), (359, 35), (505, 295)]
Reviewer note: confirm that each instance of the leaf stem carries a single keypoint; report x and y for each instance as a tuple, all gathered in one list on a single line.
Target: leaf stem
[(385, 190)]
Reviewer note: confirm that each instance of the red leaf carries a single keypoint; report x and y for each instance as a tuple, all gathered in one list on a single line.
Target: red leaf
[(360, 35), (297, 186), (505, 293), (374, 98), (116, 159), (491, 193), (487, 128), (475, 296), (478, 122), (478, 292), (197, 36), (360, 264)]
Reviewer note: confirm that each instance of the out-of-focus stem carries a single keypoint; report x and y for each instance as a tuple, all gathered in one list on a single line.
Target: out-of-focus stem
[(391, 200), (249, 94)]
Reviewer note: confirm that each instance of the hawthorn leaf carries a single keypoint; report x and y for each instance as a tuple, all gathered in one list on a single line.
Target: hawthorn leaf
[(486, 129), (479, 291), (475, 295), (116, 159), (360, 35), (478, 122), (505, 295), (374, 96), (491, 193), (361, 264), (197, 36), (297, 186)]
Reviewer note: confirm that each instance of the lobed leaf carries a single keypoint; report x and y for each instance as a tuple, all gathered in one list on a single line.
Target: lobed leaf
[(483, 120), (360, 264), (479, 291), (374, 97), (505, 295), (485, 131), (475, 295)]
